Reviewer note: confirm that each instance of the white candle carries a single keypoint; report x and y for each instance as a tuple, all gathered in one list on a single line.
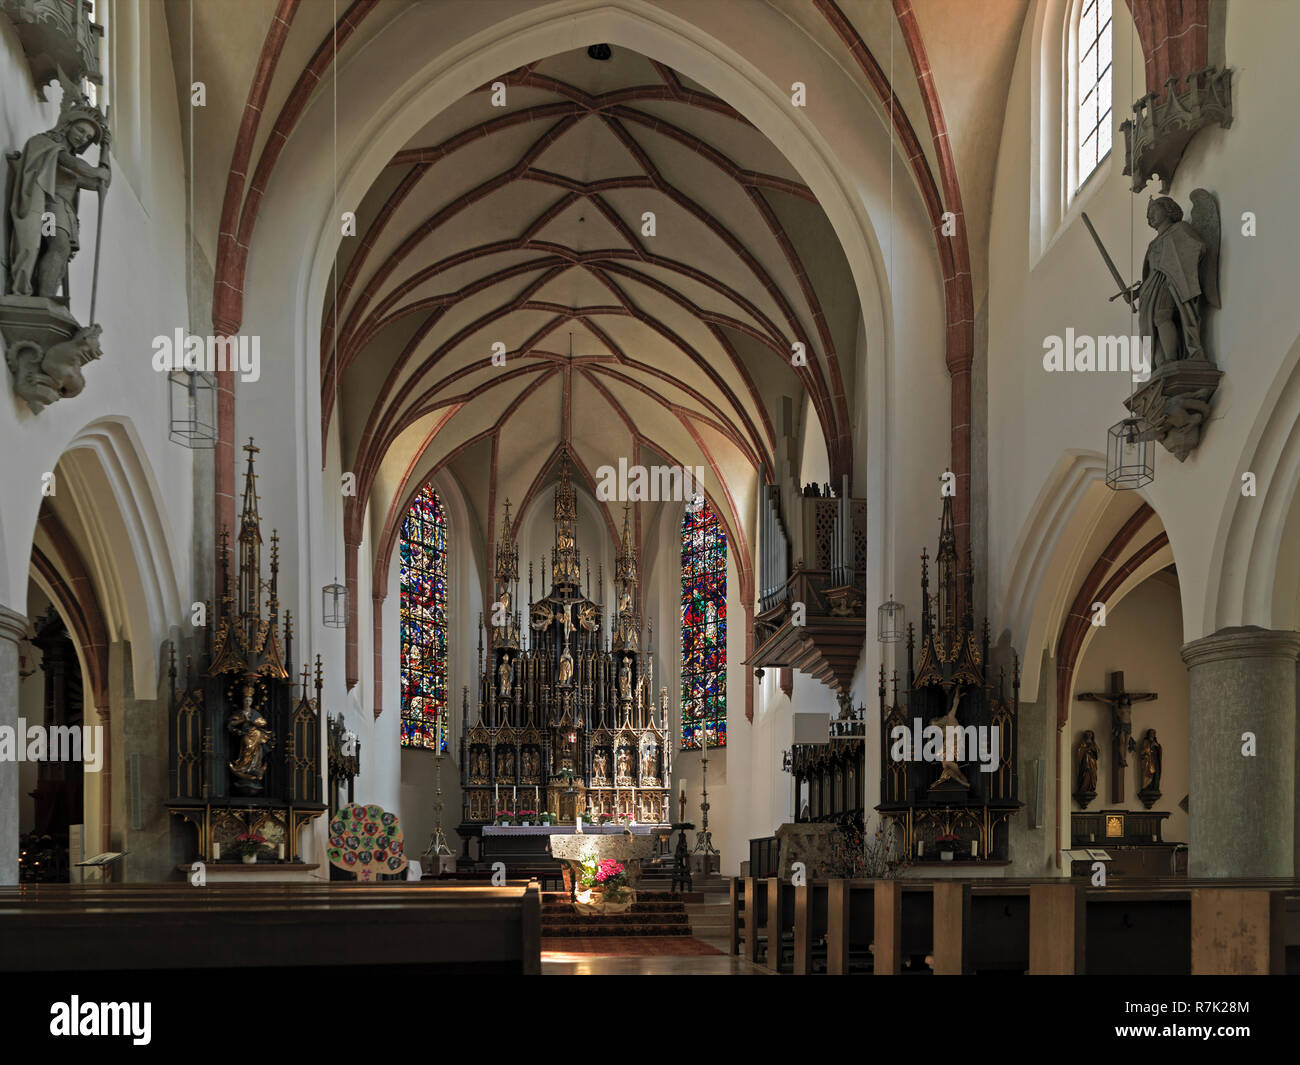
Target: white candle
[(920, 848), (496, 795), (515, 797), (279, 851), (216, 852), (974, 848)]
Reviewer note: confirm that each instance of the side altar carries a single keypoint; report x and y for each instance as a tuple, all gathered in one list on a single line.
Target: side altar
[(245, 738), (564, 718)]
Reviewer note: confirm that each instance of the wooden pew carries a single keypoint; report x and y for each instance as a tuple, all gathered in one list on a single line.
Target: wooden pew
[(455, 928), (1057, 929), (737, 913), (811, 904), (780, 921), (887, 948), (1238, 930), (951, 922), (755, 917), (849, 925)]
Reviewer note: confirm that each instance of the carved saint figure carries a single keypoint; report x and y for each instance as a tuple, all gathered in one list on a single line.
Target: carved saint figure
[(1180, 271), (532, 764), (49, 178), (1086, 753), (505, 763), (1150, 756), (478, 764), (587, 616), (951, 771), (625, 679), (249, 766), (625, 766), (566, 668), (600, 765), (503, 676), (649, 762)]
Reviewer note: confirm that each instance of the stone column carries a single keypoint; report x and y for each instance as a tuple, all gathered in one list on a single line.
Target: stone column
[(1242, 808), (13, 627)]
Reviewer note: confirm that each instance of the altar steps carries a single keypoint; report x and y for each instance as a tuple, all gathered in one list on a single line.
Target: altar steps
[(655, 913)]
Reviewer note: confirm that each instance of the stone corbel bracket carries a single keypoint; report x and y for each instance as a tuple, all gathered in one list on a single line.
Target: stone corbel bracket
[(1159, 131), (57, 35)]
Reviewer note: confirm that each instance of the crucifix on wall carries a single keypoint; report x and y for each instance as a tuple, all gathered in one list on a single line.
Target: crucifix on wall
[(1121, 716)]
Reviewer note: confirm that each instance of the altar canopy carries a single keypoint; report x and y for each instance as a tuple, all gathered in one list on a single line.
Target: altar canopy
[(565, 719)]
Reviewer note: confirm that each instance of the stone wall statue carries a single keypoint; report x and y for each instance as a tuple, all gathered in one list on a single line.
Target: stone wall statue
[(1180, 279), (49, 177), (46, 347)]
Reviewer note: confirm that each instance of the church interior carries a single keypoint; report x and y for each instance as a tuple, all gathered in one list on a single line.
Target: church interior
[(600, 487)]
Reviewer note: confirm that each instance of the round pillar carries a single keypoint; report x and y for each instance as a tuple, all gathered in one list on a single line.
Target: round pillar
[(1242, 806)]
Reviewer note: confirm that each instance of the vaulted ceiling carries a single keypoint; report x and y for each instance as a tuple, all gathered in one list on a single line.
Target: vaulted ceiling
[(638, 256), (523, 225)]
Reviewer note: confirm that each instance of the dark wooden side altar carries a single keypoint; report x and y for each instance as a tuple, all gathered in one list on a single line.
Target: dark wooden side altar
[(245, 739), (949, 686)]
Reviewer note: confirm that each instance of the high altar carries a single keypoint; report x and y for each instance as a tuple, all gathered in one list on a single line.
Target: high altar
[(564, 718)]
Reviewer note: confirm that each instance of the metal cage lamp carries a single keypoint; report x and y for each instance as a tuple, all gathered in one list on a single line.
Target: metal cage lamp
[(891, 626), (335, 606), (192, 408), (1130, 455)]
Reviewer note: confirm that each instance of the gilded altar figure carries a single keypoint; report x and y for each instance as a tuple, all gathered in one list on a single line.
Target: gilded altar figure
[(48, 179), (1086, 753), (951, 770), (1150, 756), (565, 676), (249, 767), (532, 764), (649, 763), (625, 765), (587, 616), (503, 676), (625, 680), (600, 765), (478, 763), (505, 763)]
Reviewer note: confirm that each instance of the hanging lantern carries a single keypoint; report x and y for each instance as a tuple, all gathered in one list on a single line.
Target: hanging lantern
[(1130, 455), (335, 607), (891, 627), (192, 406)]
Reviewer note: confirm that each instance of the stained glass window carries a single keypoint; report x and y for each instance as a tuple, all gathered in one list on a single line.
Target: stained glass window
[(424, 623), (704, 628), (1094, 86)]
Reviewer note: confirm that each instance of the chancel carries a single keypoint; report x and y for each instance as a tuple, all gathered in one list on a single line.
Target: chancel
[(599, 486)]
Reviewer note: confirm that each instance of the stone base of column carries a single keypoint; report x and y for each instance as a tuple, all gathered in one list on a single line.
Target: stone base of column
[(1242, 806)]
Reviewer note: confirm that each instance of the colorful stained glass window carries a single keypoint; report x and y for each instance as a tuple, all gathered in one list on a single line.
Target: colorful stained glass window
[(704, 628), (423, 580)]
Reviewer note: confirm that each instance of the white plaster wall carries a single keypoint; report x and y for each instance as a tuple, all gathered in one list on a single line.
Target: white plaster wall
[(141, 295), (1038, 420)]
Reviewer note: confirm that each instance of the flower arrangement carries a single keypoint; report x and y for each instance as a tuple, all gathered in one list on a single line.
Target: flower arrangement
[(946, 842), (250, 845), (505, 817), (607, 876), (525, 815)]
